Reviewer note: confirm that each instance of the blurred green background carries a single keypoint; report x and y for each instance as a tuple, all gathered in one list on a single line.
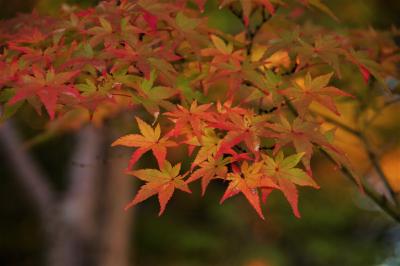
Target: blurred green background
[(338, 226)]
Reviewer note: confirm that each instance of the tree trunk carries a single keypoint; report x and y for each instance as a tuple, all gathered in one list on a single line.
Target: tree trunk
[(117, 224), (74, 229), (87, 226)]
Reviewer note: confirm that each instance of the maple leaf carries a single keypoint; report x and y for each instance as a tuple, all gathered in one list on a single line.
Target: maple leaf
[(248, 129), (194, 117), (8, 72), (325, 48), (102, 32), (126, 55), (319, 5), (162, 182), (150, 19), (302, 134), (208, 146), (317, 90), (225, 63), (47, 86), (97, 94), (367, 67), (247, 181), (149, 140), (152, 97), (209, 170), (226, 108), (29, 36), (222, 52), (283, 171)]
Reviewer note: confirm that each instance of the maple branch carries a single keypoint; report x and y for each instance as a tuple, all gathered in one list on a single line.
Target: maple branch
[(378, 168), (292, 70), (27, 171), (252, 34), (371, 155), (341, 125), (380, 200)]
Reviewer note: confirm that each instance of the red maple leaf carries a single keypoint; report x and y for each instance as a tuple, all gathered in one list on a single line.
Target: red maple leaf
[(47, 86), (194, 117), (241, 128)]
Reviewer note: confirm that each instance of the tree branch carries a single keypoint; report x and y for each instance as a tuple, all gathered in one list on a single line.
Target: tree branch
[(371, 154), (375, 162), (380, 200), (341, 125), (252, 34)]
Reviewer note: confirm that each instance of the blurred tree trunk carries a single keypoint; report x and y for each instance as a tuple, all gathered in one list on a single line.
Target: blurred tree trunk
[(117, 225), (87, 225), (75, 223)]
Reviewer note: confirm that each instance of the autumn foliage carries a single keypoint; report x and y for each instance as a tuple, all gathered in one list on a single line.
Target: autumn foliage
[(238, 104)]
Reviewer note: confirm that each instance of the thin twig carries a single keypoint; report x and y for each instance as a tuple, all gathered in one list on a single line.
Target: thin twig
[(341, 125)]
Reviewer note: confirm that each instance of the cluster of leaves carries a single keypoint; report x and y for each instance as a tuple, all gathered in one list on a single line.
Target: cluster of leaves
[(238, 103), (229, 147)]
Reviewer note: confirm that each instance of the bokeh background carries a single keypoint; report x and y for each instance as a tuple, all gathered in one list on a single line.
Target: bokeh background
[(339, 226)]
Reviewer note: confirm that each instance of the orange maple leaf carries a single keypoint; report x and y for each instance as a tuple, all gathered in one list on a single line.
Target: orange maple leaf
[(162, 182), (247, 181), (149, 140)]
